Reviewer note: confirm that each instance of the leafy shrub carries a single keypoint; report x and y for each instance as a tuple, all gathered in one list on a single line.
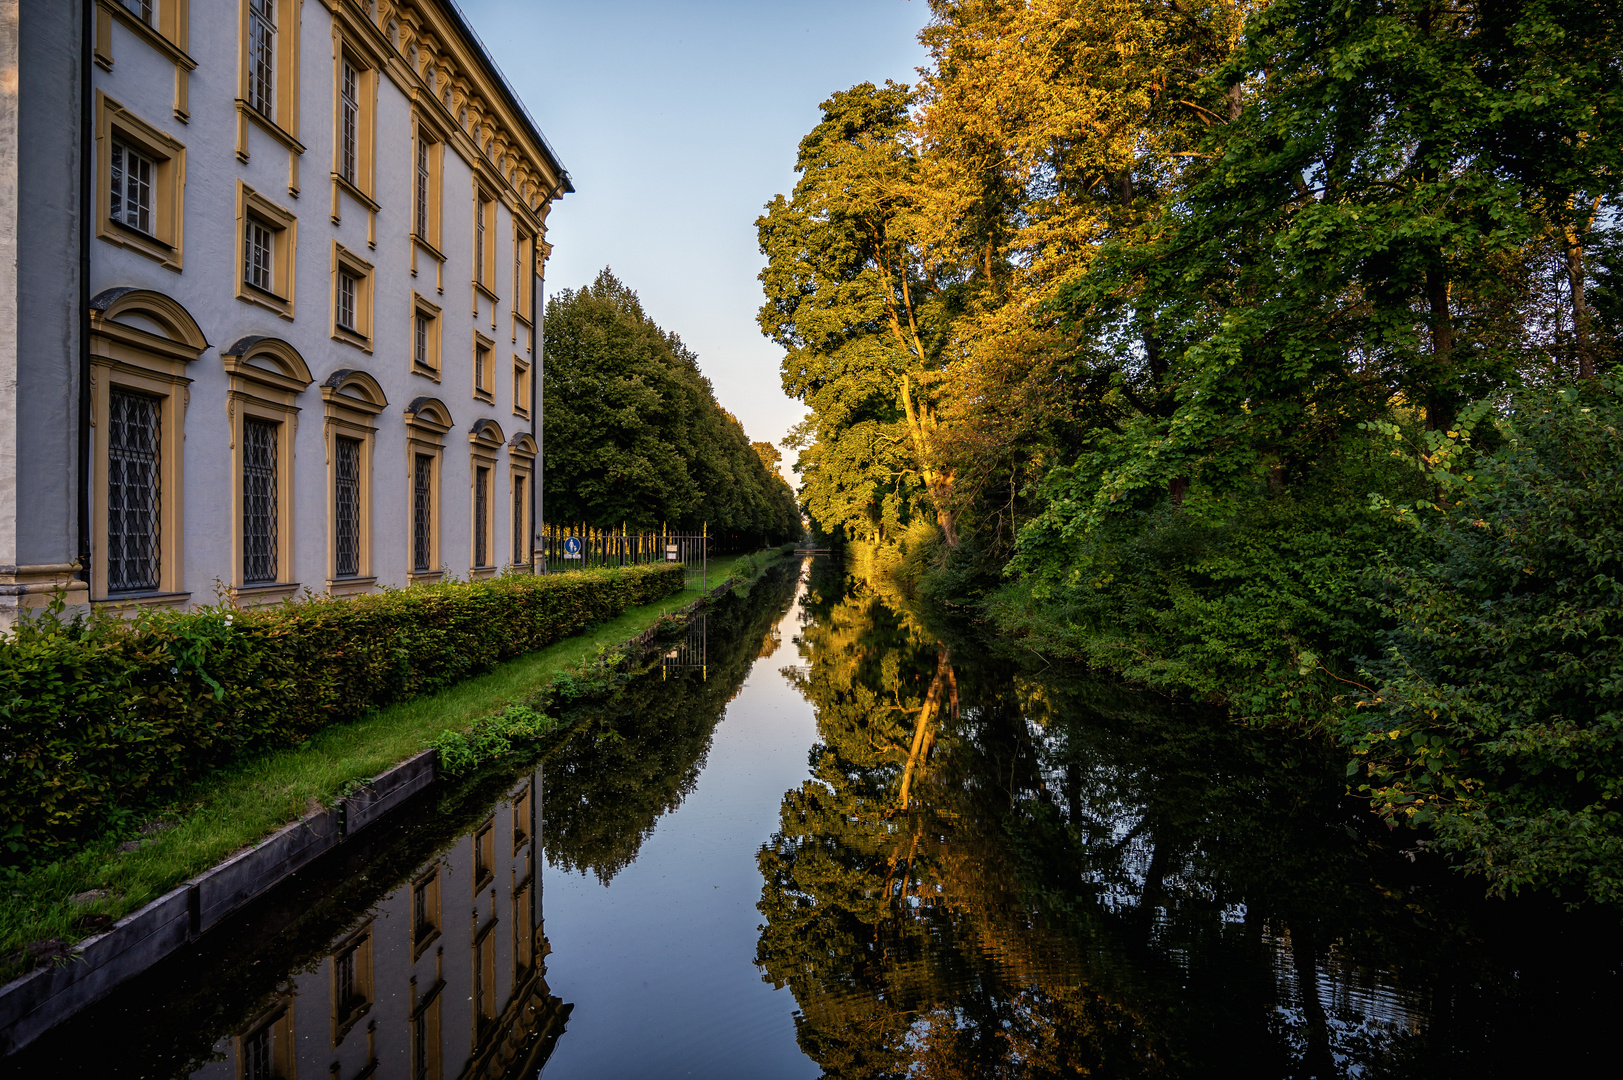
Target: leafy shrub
[(100, 716), (1499, 717)]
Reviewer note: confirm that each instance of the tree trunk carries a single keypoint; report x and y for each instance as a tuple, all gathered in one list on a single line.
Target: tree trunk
[(1580, 310)]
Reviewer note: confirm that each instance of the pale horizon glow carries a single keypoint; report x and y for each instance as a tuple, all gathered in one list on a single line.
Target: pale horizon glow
[(677, 122)]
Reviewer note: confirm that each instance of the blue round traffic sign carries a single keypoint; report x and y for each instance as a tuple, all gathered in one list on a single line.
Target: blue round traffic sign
[(572, 545)]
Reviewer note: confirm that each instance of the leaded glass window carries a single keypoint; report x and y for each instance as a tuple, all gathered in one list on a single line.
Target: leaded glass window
[(256, 256), (131, 195), (520, 548), (259, 497), (132, 491), (350, 114), (262, 55), (422, 508), (481, 511), (347, 508)]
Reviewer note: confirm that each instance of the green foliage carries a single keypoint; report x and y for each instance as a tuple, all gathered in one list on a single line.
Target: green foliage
[(1499, 717), (492, 738), (101, 716), (853, 311), (634, 433), (1261, 603)]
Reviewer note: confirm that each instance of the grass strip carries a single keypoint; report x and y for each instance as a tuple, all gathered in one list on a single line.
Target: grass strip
[(252, 798)]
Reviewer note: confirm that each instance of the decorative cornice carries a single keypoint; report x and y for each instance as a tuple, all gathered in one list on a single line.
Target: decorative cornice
[(435, 56)]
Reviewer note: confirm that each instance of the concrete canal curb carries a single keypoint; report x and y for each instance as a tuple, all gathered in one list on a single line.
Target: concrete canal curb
[(32, 1004)]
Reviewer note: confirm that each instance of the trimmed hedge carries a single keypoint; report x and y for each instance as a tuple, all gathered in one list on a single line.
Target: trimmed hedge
[(101, 716)]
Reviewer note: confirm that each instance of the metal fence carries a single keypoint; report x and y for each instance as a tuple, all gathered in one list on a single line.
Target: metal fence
[(574, 547)]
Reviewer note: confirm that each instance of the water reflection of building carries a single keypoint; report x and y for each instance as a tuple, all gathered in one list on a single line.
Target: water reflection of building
[(442, 979)]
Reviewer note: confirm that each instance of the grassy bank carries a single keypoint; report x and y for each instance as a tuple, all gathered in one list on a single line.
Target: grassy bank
[(252, 798)]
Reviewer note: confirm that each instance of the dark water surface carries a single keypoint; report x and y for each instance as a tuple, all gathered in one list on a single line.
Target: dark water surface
[(819, 839)]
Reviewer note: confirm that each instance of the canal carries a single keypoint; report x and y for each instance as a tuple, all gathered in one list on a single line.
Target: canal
[(817, 838)]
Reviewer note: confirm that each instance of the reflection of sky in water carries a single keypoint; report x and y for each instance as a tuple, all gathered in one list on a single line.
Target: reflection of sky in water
[(660, 964)]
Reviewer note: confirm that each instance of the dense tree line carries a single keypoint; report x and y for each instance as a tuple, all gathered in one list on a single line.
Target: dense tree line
[(1265, 352), (634, 433)]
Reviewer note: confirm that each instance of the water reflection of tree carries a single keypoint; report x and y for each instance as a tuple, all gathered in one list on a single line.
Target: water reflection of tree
[(635, 758), (1081, 881)]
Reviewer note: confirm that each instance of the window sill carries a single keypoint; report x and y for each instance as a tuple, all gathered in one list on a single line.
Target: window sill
[(143, 600), (480, 573), (427, 373), (269, 592), (419, 945), (485, 396), (353, 190), (251, 294), (350, 586), (426, 577), (174, 53), (351, 337), (433, 252), (270, 127), (484, 290), (123, 236)]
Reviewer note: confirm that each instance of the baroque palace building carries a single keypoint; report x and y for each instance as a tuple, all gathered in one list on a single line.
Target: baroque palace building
[(270, 284)]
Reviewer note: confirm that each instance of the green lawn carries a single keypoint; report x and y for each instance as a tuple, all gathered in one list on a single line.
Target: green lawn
[(253, 798)]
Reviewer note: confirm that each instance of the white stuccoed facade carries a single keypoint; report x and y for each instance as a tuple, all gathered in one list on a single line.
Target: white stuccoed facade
[(90, 308)]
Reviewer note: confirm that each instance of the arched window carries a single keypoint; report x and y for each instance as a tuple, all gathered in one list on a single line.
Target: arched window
[(353, 400), (521, 453), (267, 375), (140, 345), (484, 444), (427, 422)]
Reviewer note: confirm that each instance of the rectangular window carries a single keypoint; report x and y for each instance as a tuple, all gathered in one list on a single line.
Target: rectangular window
[(259, 494), (419, 340), (481, 511), (262, 56), (422, 513), (141, 9), (346, 300), (347, 508), (350, 122), (131, 195), (483, 370), (521, 387), (258, 1063), (521, 550), (424, 183), (480, 242), (132, 492), (258, 245)]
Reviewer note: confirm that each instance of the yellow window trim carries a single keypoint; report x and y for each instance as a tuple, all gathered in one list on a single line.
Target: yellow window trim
[(169, 38), (346, 261), (265, 377), (283, 123), (483, 372), (484, 445), (284, 227), (420, 305), (166, 243), (138, 359), (353, 400), (427, 423)]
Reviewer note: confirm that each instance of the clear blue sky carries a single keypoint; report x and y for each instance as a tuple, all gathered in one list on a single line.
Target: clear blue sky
[(678, 120)]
